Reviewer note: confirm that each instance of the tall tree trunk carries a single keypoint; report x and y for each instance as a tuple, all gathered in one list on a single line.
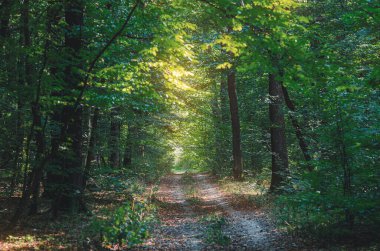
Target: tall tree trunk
[(69, 197), (5, 14), (38, 130), (25, 79), (23, 71), (54, 15), (278, 137), (39, 164), (235, 123), (8, 65)]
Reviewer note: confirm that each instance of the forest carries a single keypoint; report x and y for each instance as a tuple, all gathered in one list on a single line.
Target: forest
[(190, 125)]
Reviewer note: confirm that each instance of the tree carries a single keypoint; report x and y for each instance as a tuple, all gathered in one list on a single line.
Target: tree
[(277, 130)]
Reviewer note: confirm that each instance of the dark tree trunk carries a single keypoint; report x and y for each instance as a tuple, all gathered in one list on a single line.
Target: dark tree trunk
[(25, 79), (38, 130), (54, 14), (278, 137), (5, 14), (70, 179), (235, 123), (23, 70), (8, 65), (38, 165), (297, 127)]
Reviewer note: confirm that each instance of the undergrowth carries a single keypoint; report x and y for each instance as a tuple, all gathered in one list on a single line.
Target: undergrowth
[(190, 189), (121, 215), (126, 227), (214, 230)]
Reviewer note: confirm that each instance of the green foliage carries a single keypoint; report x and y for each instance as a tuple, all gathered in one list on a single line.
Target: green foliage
[(325, 216), (127, 226), (160, 86), (318, 206), (214, 230), (190, 188), (108, 179)]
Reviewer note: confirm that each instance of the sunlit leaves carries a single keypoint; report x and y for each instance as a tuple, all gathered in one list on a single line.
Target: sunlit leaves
[(230, 44), (225, 65)]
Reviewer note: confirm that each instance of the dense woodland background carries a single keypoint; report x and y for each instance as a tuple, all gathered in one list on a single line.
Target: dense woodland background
[(99, 95)]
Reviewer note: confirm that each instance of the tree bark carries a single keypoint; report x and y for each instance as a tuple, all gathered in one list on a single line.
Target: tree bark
[(278, 137), (235, 123), (70, 179), (37, 129), (5, 14), (25, 79), (10, 72), (38, 165)]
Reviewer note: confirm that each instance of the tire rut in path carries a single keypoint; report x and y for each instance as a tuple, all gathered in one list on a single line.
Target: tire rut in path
[(246, 230), (179, 228)]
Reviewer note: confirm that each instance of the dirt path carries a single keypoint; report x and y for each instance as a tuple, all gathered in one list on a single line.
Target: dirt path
[(179, 228), (247, 230), (182, 228)]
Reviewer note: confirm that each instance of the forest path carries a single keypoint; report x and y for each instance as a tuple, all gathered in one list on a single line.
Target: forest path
[(183, 212), (179, 229), (246, 229)]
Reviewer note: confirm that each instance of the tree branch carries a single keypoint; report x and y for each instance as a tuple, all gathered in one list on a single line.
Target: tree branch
[(101, 52)]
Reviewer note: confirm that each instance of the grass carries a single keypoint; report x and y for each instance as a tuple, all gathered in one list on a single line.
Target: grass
[(253, 193), (183, 170), (190, 189), (214, 230), (247, 194), (215, 223), (41, 233)]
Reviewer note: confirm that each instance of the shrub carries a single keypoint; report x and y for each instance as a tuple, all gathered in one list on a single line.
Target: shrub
[(127, 226), (214, 230)]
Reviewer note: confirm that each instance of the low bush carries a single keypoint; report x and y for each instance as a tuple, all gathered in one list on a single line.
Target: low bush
[(214, 230), (127, 226)]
